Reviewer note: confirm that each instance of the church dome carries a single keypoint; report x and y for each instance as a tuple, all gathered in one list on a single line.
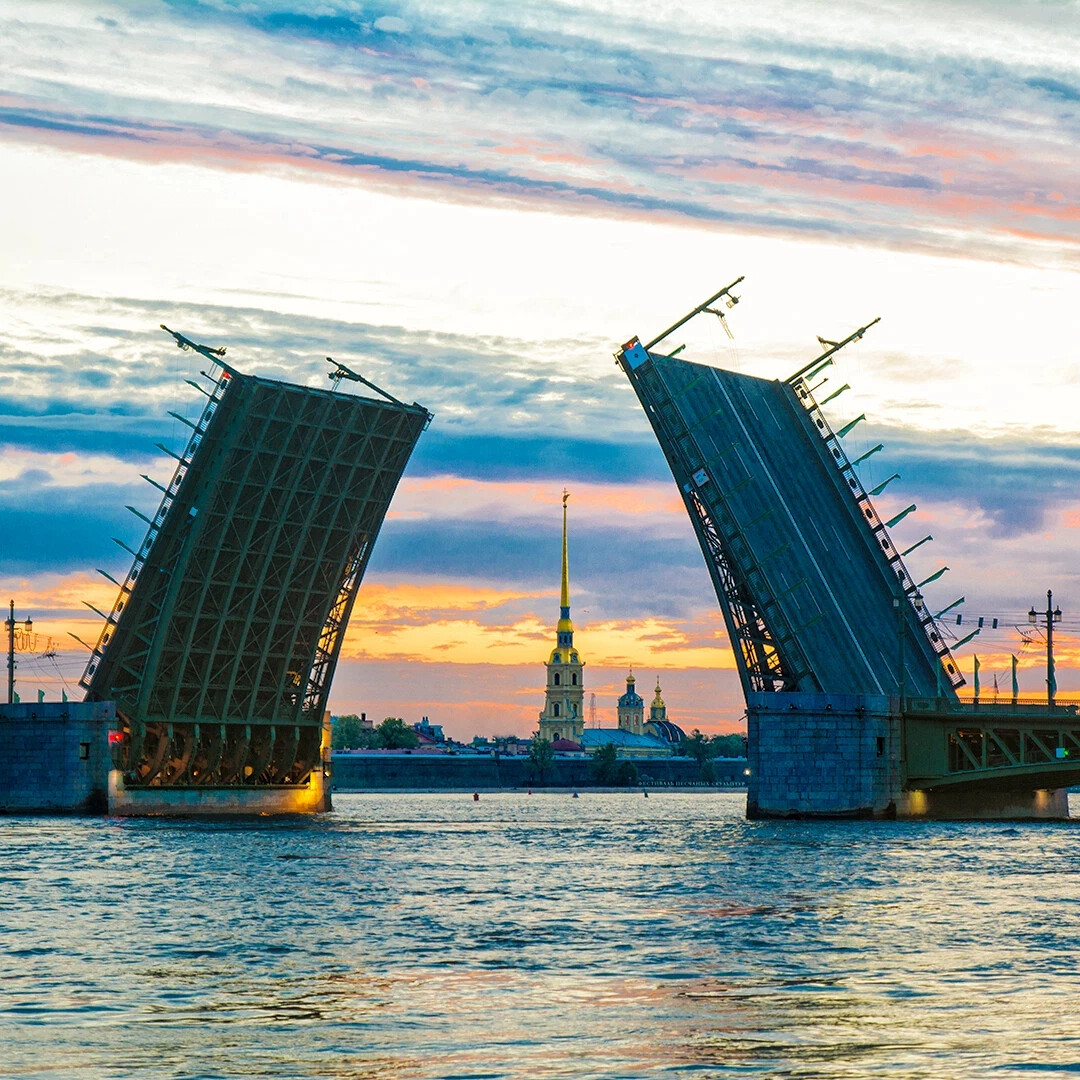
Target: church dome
[(631, 699), (666, 730), (658, 701)]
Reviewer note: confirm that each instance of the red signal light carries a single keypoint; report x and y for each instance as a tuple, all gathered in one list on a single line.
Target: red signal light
[(115, 737)]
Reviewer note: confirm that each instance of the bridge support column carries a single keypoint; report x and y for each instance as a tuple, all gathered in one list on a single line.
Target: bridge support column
[(823, 755)]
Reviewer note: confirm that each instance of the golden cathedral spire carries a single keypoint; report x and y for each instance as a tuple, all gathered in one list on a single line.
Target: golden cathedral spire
[(565, 625), (564, 705)]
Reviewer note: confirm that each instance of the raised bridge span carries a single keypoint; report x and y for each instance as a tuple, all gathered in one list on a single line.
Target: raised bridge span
[(222, 642), (850, 687)]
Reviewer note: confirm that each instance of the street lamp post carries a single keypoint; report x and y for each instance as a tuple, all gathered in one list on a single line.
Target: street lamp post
[(1052, 615), (28, 625)]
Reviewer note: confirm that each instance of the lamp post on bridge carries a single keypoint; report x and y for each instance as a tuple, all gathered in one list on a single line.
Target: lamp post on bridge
[(28, 625), (1052, 615)]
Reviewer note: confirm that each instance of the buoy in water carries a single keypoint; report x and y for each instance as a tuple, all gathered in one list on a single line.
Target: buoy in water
[(575, 794), (476, 796)]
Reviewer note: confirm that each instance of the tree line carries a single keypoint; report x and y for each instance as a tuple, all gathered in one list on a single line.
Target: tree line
[(392, 734)]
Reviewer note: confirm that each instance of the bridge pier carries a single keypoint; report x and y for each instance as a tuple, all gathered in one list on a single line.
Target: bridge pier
[(823, 755), (854, 756)]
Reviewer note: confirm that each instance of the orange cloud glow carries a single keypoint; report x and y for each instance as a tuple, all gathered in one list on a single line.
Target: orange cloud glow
[(440, 623)]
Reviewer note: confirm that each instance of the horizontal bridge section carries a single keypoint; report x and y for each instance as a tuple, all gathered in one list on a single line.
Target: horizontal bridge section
[(992, 747)]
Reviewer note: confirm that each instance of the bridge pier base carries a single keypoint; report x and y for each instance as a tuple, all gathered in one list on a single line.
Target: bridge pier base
[(822, 755), (312, 797), (982, 805)]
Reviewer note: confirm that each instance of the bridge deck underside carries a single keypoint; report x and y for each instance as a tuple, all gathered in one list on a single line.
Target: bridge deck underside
[(222, 643), (745, 448)]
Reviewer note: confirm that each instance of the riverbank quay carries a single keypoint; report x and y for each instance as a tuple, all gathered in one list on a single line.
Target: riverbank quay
[(405, 770)]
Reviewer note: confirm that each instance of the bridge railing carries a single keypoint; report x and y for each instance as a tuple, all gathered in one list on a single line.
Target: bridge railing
[(1028, 704), (221, 383), (879, 530)]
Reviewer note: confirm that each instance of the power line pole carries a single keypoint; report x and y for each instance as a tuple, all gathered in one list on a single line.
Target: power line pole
[(11, 656), (1052, 615)]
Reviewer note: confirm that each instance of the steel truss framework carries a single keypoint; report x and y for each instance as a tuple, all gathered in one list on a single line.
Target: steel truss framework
[(767, 653), (997, 746), (771, 612), (222, 642), (882, 540)]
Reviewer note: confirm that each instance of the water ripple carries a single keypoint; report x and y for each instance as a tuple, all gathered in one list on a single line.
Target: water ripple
[(428, 936)]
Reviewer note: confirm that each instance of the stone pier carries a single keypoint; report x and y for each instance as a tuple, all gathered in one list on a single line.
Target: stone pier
[(823, 755)]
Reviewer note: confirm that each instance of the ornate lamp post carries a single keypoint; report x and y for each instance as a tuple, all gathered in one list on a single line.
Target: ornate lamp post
[(28, 626)]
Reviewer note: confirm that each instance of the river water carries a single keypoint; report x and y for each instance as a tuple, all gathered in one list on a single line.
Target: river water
[(542, 936)]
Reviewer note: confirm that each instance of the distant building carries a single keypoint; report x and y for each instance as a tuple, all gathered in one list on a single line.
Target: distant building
[(562, 721), (510, 745), (635, 736), (564, 696), (429, 733), (568, 748), (658, 724), (631, 708)]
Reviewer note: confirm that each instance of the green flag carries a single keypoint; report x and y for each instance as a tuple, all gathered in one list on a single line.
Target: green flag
[(1016, 685), (976, 678), (40, 697), (63, 695), (17, 698)]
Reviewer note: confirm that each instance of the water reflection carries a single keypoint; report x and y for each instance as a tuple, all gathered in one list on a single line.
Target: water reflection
[(430, 936)]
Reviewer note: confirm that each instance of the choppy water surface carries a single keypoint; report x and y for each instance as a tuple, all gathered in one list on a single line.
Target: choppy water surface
[(538, 936)]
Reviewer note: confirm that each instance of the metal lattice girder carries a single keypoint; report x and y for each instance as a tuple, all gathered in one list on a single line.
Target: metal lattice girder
[(222, 643), (991, 745), (812, 598)]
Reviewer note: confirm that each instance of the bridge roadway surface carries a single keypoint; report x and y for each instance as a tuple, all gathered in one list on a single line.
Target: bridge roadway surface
[(802, 531)]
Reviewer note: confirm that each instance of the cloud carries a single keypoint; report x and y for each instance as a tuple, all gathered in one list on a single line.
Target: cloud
[(877, 133)]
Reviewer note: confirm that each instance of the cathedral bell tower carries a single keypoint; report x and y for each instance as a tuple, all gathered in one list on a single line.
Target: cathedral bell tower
[(564, 697), (631, 708)]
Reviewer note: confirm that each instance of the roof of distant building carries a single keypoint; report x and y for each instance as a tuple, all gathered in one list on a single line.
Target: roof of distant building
[(596, 737), (565, 745), (669, 732)]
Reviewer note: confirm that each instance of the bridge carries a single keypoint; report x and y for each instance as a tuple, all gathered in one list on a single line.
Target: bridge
[(222, 642), (850, 686)]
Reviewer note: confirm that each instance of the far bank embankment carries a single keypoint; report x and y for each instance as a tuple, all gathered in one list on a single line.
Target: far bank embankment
[(443, 772)]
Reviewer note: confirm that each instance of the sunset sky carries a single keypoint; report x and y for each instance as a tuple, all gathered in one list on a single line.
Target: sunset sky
[(473, 204)]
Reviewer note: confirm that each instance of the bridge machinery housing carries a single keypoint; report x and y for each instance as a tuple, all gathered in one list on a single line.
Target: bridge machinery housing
[(850, 688), (221, 645)]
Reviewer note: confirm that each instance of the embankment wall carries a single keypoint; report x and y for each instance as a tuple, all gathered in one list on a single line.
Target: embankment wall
[(370, 772)]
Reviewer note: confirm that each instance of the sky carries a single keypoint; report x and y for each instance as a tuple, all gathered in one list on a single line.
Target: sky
[(474, 204)]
